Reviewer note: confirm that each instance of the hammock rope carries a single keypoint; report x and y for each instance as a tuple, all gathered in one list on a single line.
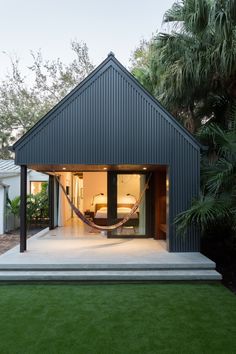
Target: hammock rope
[(90, 223)]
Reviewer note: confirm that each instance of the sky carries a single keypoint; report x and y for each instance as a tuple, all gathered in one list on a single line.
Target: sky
[(50, 25)]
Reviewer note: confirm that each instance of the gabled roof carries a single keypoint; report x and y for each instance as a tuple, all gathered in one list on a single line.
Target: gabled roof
[(3, 185), (8, 167), (116, 64)]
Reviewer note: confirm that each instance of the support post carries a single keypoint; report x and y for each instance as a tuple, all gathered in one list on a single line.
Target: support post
[(23, 201), (51, 202)]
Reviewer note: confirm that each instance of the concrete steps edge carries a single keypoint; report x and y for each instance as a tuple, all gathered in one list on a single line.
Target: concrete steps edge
[(95, 267), (110, 275)]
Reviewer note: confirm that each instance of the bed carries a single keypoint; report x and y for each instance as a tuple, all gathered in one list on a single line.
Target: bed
[(100, 214)]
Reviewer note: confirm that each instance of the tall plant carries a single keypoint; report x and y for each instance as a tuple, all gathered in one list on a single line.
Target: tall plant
[(36, 207), (216, 206), (192, 67), (22, 103)]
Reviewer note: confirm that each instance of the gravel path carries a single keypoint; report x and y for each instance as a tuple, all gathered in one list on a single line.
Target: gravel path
[(10, 240)]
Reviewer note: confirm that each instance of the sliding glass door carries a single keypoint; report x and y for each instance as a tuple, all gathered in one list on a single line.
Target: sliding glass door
[(125, 194)]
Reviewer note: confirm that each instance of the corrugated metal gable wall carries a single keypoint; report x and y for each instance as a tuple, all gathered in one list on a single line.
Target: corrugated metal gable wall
[(112, 121)]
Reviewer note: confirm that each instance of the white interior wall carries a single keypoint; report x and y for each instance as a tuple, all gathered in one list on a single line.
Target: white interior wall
[(94, 183), (64, 210), (142, 207), (78, 192), (80, 187), (128, 184)]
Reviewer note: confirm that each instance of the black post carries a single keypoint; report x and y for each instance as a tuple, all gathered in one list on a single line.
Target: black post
[(23, 200), (51, 202)]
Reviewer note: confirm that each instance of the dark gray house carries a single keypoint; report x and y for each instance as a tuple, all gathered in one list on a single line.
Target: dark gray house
[(109, 124)]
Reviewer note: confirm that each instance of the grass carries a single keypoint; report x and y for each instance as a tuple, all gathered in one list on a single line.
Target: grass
[(117, 319)]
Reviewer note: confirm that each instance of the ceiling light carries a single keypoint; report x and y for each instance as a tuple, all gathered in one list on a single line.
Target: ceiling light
[(144, 168), (64, 168), (105, 168)]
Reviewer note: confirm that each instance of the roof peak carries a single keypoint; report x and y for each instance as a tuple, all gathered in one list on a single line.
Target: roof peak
[(110, 60)]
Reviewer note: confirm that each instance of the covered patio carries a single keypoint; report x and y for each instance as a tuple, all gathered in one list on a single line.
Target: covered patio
[(77, 253), (76, 243)]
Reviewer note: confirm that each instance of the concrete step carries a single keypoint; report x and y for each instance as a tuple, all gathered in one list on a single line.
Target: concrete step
[(110, 275), (106, 266)]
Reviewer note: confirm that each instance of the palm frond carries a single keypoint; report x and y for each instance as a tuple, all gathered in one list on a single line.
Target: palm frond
[(174, 14), (204, 212), (224, 142), (231, 114), (220, 177), (196, 15)]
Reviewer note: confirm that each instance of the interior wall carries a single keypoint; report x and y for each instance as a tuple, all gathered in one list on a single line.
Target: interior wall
[(78, 192), (93, 184), (128, 184), (96, 182), (65, 212)]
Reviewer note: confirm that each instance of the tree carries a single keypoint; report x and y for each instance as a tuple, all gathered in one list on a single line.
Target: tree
[(140, 65), (13, 207), (22, 105), (192, 71), (216, 207), (37, 207), (193, 67)]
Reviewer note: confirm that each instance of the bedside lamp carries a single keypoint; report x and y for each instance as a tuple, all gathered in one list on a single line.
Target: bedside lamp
[(95, 196), (131, 195)]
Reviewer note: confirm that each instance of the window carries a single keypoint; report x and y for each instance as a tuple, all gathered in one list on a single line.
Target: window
[(36, 187)]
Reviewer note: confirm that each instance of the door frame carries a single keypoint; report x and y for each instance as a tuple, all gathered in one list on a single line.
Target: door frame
[(112, 203)]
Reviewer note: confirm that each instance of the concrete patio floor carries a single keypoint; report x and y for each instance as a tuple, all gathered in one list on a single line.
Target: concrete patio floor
[(75, 244), (76, 253)]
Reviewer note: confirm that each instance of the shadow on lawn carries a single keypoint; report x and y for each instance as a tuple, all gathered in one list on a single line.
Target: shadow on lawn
[(223, 253)]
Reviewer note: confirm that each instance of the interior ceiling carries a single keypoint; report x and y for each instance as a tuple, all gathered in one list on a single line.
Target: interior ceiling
[(93, 168)]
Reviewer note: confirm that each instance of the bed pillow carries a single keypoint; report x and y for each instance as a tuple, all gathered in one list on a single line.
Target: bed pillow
[(124, 209)]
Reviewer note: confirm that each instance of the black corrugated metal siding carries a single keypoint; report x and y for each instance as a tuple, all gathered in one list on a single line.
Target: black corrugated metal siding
[(110, 119)]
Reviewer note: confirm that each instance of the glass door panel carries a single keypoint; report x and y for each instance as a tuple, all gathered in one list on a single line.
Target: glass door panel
[(129, 189)]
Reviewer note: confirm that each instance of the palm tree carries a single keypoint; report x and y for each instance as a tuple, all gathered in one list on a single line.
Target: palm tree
[(193, 67), (140, 65), (217, 203), (192, 71)]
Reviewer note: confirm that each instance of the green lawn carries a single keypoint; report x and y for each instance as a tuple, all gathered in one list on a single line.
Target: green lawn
[(124, 319)]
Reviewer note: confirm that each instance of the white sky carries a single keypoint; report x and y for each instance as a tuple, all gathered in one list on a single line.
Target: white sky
[(115, 25)]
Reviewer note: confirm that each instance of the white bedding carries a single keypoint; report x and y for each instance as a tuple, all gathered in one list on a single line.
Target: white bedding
[(121, 213)]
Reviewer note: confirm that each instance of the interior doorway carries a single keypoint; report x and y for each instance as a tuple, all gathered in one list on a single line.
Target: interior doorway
[(77, 183)]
